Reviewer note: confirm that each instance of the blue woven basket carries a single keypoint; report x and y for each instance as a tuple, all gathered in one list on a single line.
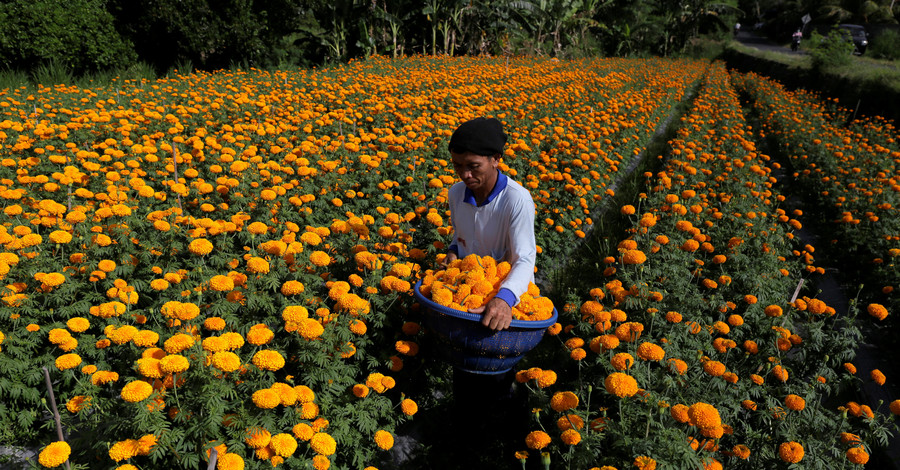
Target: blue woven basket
[(468, 345)]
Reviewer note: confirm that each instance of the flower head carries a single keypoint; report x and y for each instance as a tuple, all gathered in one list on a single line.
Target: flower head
[(55, 454)]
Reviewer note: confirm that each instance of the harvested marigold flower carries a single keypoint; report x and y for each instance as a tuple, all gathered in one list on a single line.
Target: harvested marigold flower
[(878, 376)]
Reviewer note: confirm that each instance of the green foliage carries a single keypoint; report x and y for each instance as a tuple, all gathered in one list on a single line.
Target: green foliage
[(76, 36), (833, 50), (886, 45)]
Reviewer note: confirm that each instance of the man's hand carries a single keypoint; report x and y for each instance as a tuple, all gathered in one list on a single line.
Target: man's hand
[(497, 314), (449, 258)]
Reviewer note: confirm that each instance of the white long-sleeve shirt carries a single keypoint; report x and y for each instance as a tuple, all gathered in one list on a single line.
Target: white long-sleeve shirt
[(501, 227)]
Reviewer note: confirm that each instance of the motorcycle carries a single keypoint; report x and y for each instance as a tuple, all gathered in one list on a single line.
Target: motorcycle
[(795, 44)]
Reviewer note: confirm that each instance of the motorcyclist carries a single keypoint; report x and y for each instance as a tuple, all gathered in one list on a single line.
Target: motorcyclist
[(795, 40)]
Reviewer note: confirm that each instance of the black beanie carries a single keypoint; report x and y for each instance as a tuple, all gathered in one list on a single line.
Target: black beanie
[(481, 136)]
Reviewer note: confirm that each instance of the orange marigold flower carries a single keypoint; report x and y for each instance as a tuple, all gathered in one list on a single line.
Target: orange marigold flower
[(546, 379), (292, 288), (409, 407), (174, 364), (878, 311), (221, 283), (384, 440), (634, 257), (54, 454), (704, 415), (570, 437), (323, 443), (858, 455), (136, 391), (650, 352), (680, 413), (563, 401), (773, 311), (780, 373), (895, 407), (78, 403), (283, 444), (266, 399), (620, 384), (303, 431), (741, 451), (68, 361), (794, 402), (569, 421), (230, 461), (644, 463), (537, 440), (320, 258), (714, 368), (790, 452), (200, 247), (257, 265), (268, 359)]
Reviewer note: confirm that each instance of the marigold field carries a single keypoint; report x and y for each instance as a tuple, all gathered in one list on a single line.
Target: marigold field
[(225, 261)]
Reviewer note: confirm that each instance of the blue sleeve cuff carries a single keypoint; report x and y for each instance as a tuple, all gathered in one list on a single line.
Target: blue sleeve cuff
[(454, 249), (507, 296)]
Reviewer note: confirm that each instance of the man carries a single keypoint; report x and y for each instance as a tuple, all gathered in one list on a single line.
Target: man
[(491, 214)]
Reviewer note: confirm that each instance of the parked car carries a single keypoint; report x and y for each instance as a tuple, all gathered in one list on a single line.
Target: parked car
[(858, 35)]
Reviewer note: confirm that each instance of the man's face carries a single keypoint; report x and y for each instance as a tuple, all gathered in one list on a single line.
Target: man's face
[(476, 171)]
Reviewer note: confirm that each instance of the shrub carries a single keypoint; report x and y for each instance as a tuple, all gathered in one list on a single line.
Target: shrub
[(833, 50), (76, 36), (886, 45)]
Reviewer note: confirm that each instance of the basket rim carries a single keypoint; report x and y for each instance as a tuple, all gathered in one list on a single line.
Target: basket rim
[(527, 324)]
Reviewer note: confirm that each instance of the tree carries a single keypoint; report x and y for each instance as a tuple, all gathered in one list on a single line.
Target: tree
[(77, 35)]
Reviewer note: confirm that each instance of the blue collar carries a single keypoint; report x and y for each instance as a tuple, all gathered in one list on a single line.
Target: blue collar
[(499, 186)]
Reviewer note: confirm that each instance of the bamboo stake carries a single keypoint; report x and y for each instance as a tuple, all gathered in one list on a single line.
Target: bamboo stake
[(59, 431), (213, 457), (175, 164)]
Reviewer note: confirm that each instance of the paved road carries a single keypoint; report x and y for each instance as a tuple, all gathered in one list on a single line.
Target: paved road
[(751, 39)]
